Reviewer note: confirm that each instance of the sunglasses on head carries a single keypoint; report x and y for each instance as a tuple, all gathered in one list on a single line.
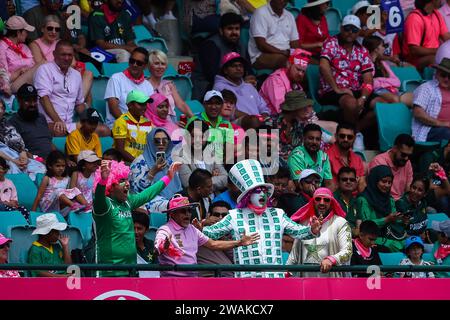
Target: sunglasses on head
[(346, 136), (56, 29), (5, 245), (351, 28), (348, 179), (319, 199), (133, 61)]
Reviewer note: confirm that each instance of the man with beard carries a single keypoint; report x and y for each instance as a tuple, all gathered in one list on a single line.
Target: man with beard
[(397, 159), (333, 246), (342, 155), (30, 124), (309, 156)]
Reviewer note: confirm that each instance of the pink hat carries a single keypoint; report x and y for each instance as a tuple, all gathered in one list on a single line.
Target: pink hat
[(300, 57), (231, 56), (18, 23), (180, 202), (4, 240), (156, 99)]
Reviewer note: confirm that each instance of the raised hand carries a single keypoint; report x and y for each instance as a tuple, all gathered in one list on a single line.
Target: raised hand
[(174, 167), (247, 240), (105, 169), (315, 225), (197, 224), (64, 240)]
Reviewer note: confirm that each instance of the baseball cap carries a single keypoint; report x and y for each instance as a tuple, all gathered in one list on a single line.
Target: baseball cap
[(441, 226), (351, 20), (88, 156), (230, 57), (137, 96), (308, 172), (359, 5), (91, 115), (413, 240), (18, 23), (211, 94), (300, 57), (27, 91)]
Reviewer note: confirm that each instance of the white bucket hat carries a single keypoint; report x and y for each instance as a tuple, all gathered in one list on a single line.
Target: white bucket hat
[(48, 222), (315, 3), (248, 175)]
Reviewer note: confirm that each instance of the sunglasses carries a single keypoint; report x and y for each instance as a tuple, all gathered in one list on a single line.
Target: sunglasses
[(315, 182), (444, 74), (219, 214), (160, 140), (139, 63), (56, 29), (319, 199), (348, 179), (405, 155), (349, 28), (346, 136), (5, 245)]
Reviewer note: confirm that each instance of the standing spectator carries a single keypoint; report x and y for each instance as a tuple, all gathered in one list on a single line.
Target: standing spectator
[(15, 56), (346, 188), (110, 29), (309, 156), (130, 129), (342, 155), (231, 77), (4, 249), (431, 111), (397, 159), (36, 15), (112, 213), (273, 33), (441, 249), (365, 251), (46, 249), (312, 27), (200, 190), (415, 249), (148, 169), (334, 244), (30, 124), (445, 11)]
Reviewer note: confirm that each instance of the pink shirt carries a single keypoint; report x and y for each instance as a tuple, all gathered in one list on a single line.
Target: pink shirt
[(445, 11), (187, 239), (403, 176), (8, 191), (444, 114), (46, 49), (64, 91), (12, 61)]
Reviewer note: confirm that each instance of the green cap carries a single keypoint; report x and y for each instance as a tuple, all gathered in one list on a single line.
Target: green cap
[(137, 96)]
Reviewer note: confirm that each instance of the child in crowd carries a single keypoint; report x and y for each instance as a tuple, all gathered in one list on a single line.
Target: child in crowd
[(53, 194), (365, 251), (414, 249), (83, 178), (112, 154), (8, 192)]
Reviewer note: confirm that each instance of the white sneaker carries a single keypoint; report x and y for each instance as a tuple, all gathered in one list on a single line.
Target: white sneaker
[(358, 145)]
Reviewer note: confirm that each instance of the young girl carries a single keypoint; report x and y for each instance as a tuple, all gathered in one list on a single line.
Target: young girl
[(53, 194), (8, 192), (83, 178), (385, 82), (414, 250)]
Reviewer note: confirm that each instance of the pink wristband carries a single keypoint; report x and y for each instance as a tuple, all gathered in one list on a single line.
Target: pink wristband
[(332, 259), (441, 174), (166, 180), (103, 182)]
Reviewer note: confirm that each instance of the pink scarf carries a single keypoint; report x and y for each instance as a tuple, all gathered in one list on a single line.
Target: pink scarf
[(365, 252), (152, 115), (258, 210)]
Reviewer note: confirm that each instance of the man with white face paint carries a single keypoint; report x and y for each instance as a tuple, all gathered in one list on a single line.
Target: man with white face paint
[(253, 214)]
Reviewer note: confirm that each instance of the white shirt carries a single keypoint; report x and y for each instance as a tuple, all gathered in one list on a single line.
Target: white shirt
[(278, 31), (118, 87)]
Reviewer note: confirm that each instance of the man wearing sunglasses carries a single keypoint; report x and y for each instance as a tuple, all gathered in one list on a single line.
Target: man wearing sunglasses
[(431, 111)]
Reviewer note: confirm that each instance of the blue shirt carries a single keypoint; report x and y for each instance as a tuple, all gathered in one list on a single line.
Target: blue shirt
[(225, 196)]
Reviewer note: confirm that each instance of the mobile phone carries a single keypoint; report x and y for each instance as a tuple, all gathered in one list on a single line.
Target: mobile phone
[(160, 156), (408, 213)]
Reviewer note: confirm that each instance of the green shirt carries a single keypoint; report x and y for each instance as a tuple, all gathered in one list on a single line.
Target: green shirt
[(351, 212), (299, 160), (38, 254), (116, 243), (419, 218), (222, 132), (119, 32)]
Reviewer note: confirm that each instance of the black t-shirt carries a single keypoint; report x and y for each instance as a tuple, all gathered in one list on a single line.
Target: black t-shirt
[(358, 259)]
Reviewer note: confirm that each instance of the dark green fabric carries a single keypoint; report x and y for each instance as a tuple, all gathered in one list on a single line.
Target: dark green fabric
[(119, 32), (379, 201), (351, 212), (418, 221)]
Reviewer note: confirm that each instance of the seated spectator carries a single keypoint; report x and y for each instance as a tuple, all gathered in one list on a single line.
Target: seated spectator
[(30, 124), (273, 33), (309, 156), (431, 111), (441, 249), (231, 77), (312, 27), (110, 29), (424, 29), (145, 247), (385, 83), (365, 251), (15, 56), (445, 11), (113, 206), (158, 113), (284, 80), (12, 149), (211, 51), (440, 155), (130, 129), (200, 16), (121, 83), (8, 193), (84, 138), (377, 204), (151, 166), (157, 65), (335, 235), (4, 249), (397, 159), (230, 195), (36, 16), (46, 250), (200, 190), (415, 249), (346, 188), (218, 210), (177, 242), (112, 154), (342, 155), (83, 178), (230, 113), (280, 181)]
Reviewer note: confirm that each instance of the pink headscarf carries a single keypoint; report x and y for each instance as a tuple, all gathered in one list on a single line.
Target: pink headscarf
[(307, 211), (152, 115)]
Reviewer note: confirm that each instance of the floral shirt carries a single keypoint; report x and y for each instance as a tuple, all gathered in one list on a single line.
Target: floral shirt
[(347, 68), (9, 274)]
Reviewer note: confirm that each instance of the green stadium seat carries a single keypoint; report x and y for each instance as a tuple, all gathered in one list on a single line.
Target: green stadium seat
[(334, 18), (60, 143), (344, 6), (100, 106), (409, 77), (155, 43), (313, 78), (9, 220), (99, 87), (285, 256), (93, 69), (111, 68), (428, 256), (34, 215), (299, 3), (183, 84), (75, 238), (22, 241), (157, 219), (83, 221), (428, 73), (392, 258), (107, 143), (245, 36), (295, 11), (436, 217), (26, 189), (151, 233), (141, 32), (196, 106)]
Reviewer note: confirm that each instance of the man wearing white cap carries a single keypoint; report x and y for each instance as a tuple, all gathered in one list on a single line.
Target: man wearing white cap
[(46, 249), (254, 215)]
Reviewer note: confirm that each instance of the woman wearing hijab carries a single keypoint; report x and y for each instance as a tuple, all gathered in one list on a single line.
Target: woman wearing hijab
[(158, 113), (149, 168), (376, 204)]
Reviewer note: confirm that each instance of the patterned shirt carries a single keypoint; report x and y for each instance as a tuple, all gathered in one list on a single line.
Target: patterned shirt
[(300, 159), (346, 68), (271, 225)]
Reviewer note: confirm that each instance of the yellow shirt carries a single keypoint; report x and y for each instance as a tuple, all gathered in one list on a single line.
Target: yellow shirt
[(76, 142), (134, 132)]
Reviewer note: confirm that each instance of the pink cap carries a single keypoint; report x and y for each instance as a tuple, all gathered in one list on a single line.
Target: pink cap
[(4, 239), (231, 56), (300, 57), (179, 202), (156, 99), (18, 23)]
